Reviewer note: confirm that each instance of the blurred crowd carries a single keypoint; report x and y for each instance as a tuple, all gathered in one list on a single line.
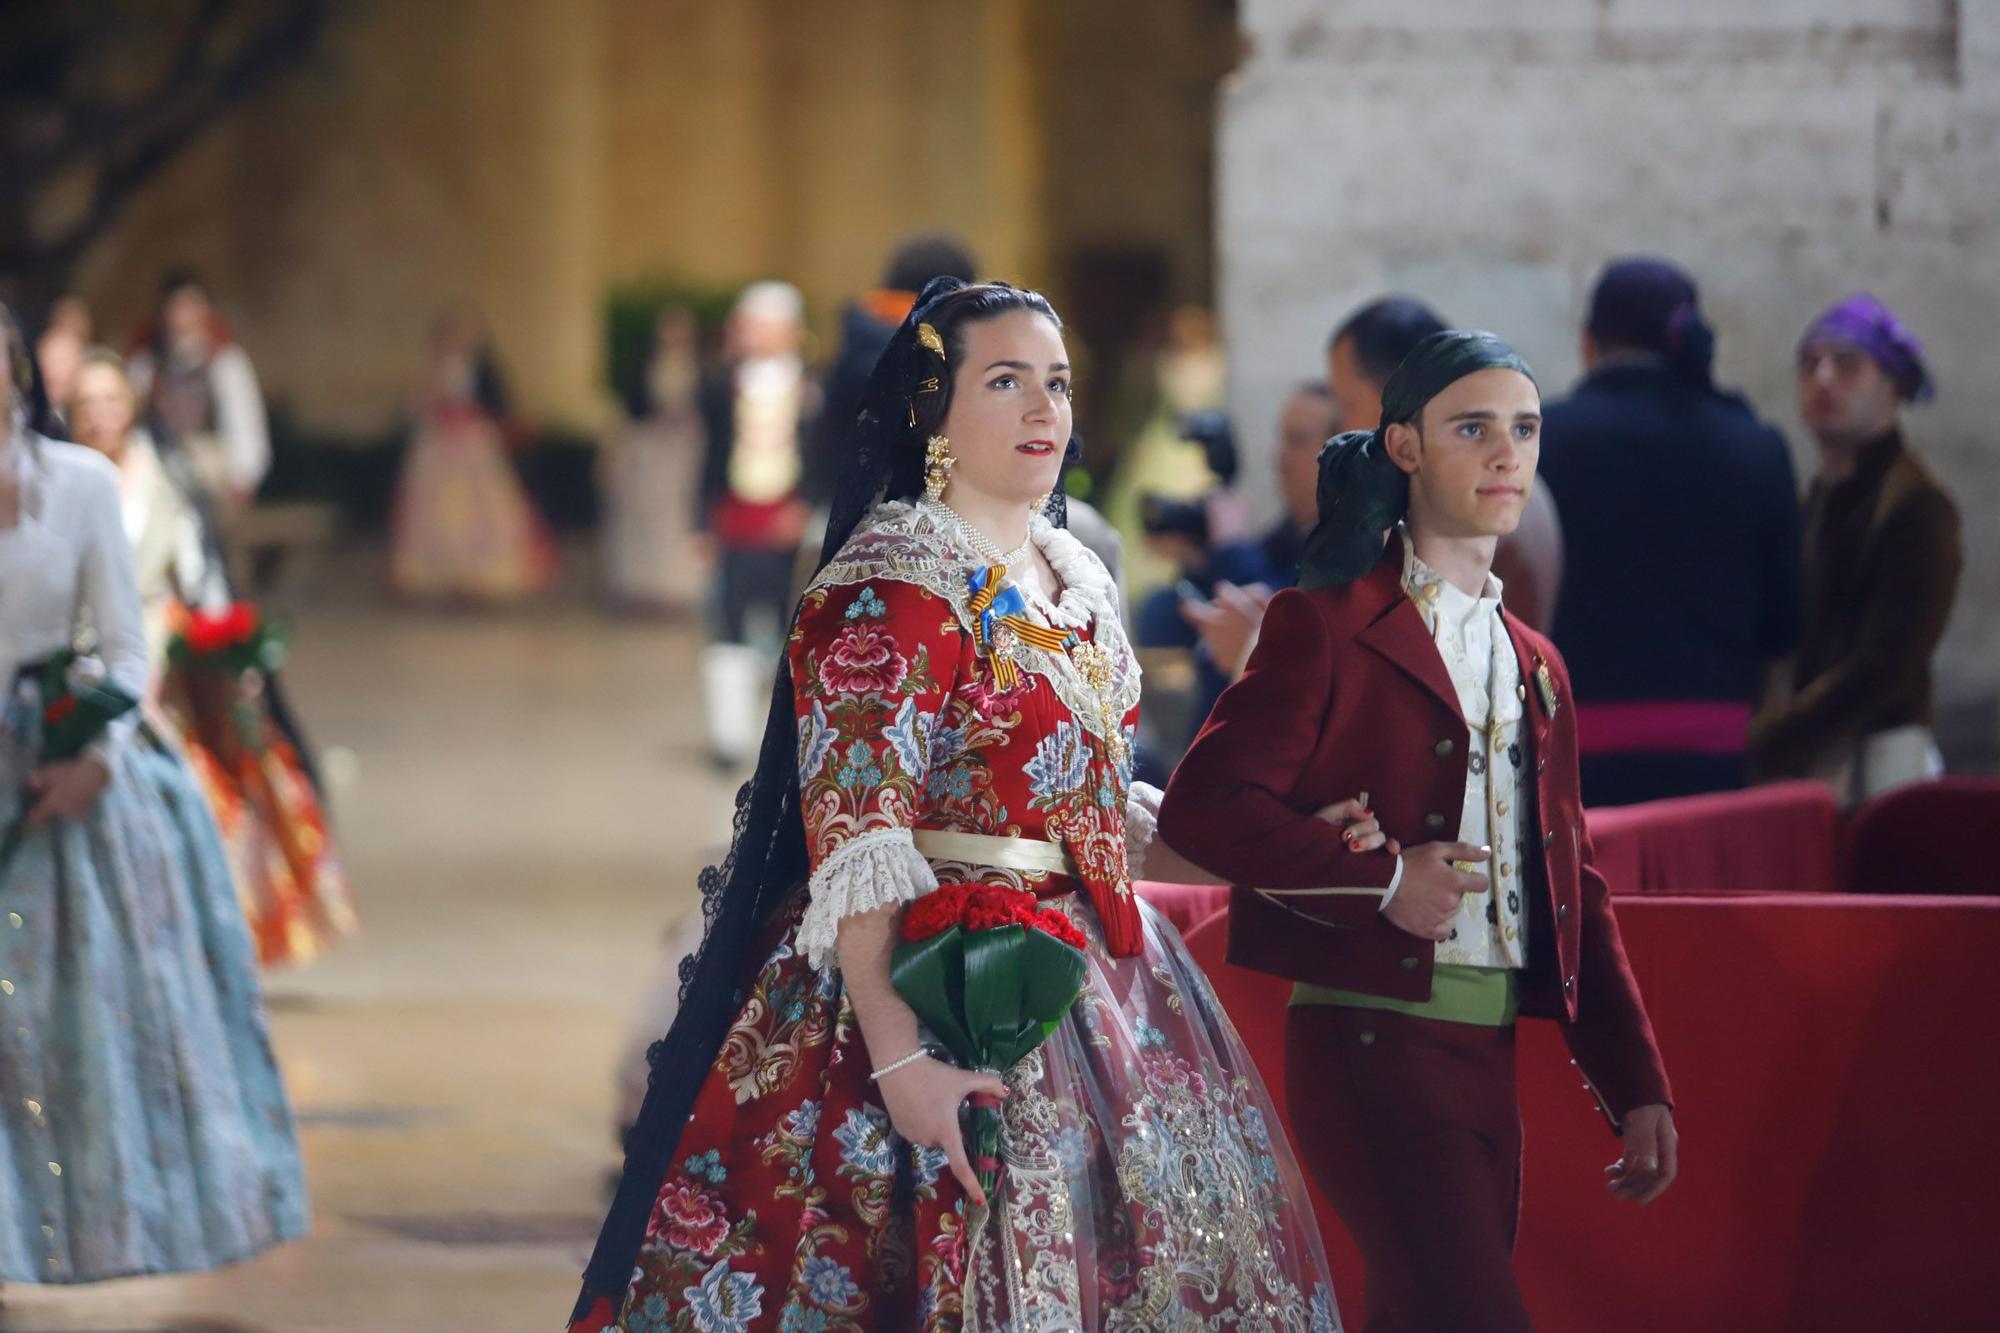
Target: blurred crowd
[(1720, 629)]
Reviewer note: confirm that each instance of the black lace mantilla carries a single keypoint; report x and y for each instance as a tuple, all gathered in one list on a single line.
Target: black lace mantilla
[(766, 862)]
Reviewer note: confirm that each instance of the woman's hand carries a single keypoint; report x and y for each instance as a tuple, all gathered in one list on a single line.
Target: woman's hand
[(923, 1098), (1358, 825), (66, 790)]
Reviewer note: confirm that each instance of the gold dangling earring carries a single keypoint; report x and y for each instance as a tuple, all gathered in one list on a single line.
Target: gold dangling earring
[(938, 463), (1040, 504)]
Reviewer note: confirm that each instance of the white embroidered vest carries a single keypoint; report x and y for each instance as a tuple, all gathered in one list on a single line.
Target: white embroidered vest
[(1491, 928)]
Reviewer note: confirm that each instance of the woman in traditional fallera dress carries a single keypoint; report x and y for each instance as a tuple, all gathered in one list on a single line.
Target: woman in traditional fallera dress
[(799, 1163), (144, 1127), (464, 526), (647, 477), (273, 825)]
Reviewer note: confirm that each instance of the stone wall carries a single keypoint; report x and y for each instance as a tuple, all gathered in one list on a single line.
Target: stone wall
[(1490, 158)]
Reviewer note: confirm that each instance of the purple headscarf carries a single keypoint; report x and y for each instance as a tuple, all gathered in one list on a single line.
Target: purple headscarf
[(1864, 322)]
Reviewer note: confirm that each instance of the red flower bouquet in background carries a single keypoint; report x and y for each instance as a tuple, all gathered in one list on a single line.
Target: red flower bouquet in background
[(219, 657), (235, 639), (990, 972)]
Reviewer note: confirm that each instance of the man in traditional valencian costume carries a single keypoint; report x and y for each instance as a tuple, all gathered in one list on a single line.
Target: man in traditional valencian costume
[(1393, 670)]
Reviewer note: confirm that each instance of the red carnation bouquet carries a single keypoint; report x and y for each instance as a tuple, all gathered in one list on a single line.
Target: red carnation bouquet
[(215, 654), (234, 638), (990, 972)]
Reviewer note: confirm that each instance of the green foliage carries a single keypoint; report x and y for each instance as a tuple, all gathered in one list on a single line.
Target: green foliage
[(632, 308)]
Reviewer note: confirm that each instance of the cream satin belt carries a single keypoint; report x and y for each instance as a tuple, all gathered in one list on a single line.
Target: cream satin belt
[(984, 849)]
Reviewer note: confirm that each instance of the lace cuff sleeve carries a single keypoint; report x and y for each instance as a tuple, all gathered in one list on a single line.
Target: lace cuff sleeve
[(1142, 820), (876, 869)]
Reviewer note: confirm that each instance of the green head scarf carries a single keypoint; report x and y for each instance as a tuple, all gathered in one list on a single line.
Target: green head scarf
[(1362, 493)]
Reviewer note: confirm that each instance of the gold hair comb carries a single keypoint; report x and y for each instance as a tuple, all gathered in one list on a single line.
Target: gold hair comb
[(928, 336)]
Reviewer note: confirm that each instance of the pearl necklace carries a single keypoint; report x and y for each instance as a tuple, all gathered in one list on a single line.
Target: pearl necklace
[(982, 545)]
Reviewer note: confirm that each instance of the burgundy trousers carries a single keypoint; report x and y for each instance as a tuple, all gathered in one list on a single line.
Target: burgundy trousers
[(1413, 1129)]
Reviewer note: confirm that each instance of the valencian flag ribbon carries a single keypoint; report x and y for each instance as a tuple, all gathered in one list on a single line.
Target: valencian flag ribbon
[(1000, 618)]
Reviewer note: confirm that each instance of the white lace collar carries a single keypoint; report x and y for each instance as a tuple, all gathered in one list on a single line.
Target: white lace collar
[(1436, 596), (1088, 592)]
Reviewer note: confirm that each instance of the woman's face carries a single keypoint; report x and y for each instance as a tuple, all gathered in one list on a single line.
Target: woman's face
[(1010, 415), (101, 410)]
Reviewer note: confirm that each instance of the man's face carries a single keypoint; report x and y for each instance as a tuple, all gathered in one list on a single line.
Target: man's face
[(1845, 396), (1357, 399), (1303, 427), (1472, 456), (762, 334), (186, 315)]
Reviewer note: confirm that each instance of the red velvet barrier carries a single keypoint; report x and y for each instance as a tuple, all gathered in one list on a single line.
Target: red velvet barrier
[(1778, 839), (1834, 1057), (1186, 905), (1916, 840)]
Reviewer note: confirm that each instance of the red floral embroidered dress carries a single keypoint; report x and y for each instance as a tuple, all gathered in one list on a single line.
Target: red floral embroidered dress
[(1142, 1187)]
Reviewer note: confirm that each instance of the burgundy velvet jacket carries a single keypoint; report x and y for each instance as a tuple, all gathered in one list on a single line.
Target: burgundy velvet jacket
[(1346, 694)]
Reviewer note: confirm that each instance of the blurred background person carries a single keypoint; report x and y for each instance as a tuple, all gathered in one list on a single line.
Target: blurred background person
[(1227, 620), (758, 412), (1178, 532), (1365, 349), (1195, 538), (168, 542), (1227, 508), (1883, 556), (144, 1127), (60, 350), (201, 394), (1680, 531), (646, 478), (464, 527), (866, 325), (1306, 423), (1189, 375), (266, 805)]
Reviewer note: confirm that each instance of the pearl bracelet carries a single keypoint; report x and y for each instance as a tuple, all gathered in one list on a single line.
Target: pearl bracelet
[(920, 1053)]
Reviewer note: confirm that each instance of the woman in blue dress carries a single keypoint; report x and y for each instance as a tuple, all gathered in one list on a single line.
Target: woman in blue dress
[(143, 1126)]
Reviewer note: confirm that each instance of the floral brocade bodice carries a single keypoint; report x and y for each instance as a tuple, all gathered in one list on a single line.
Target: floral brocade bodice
[(908, 720)]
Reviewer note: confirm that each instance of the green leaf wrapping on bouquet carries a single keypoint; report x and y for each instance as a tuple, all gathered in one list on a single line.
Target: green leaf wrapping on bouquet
[(95, 707), (993, 996), (1052, 978), (990, 996), (930, 976), (73, 715)]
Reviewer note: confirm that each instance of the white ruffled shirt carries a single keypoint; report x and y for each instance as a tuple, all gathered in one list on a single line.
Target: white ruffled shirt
[(1490, 929)]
